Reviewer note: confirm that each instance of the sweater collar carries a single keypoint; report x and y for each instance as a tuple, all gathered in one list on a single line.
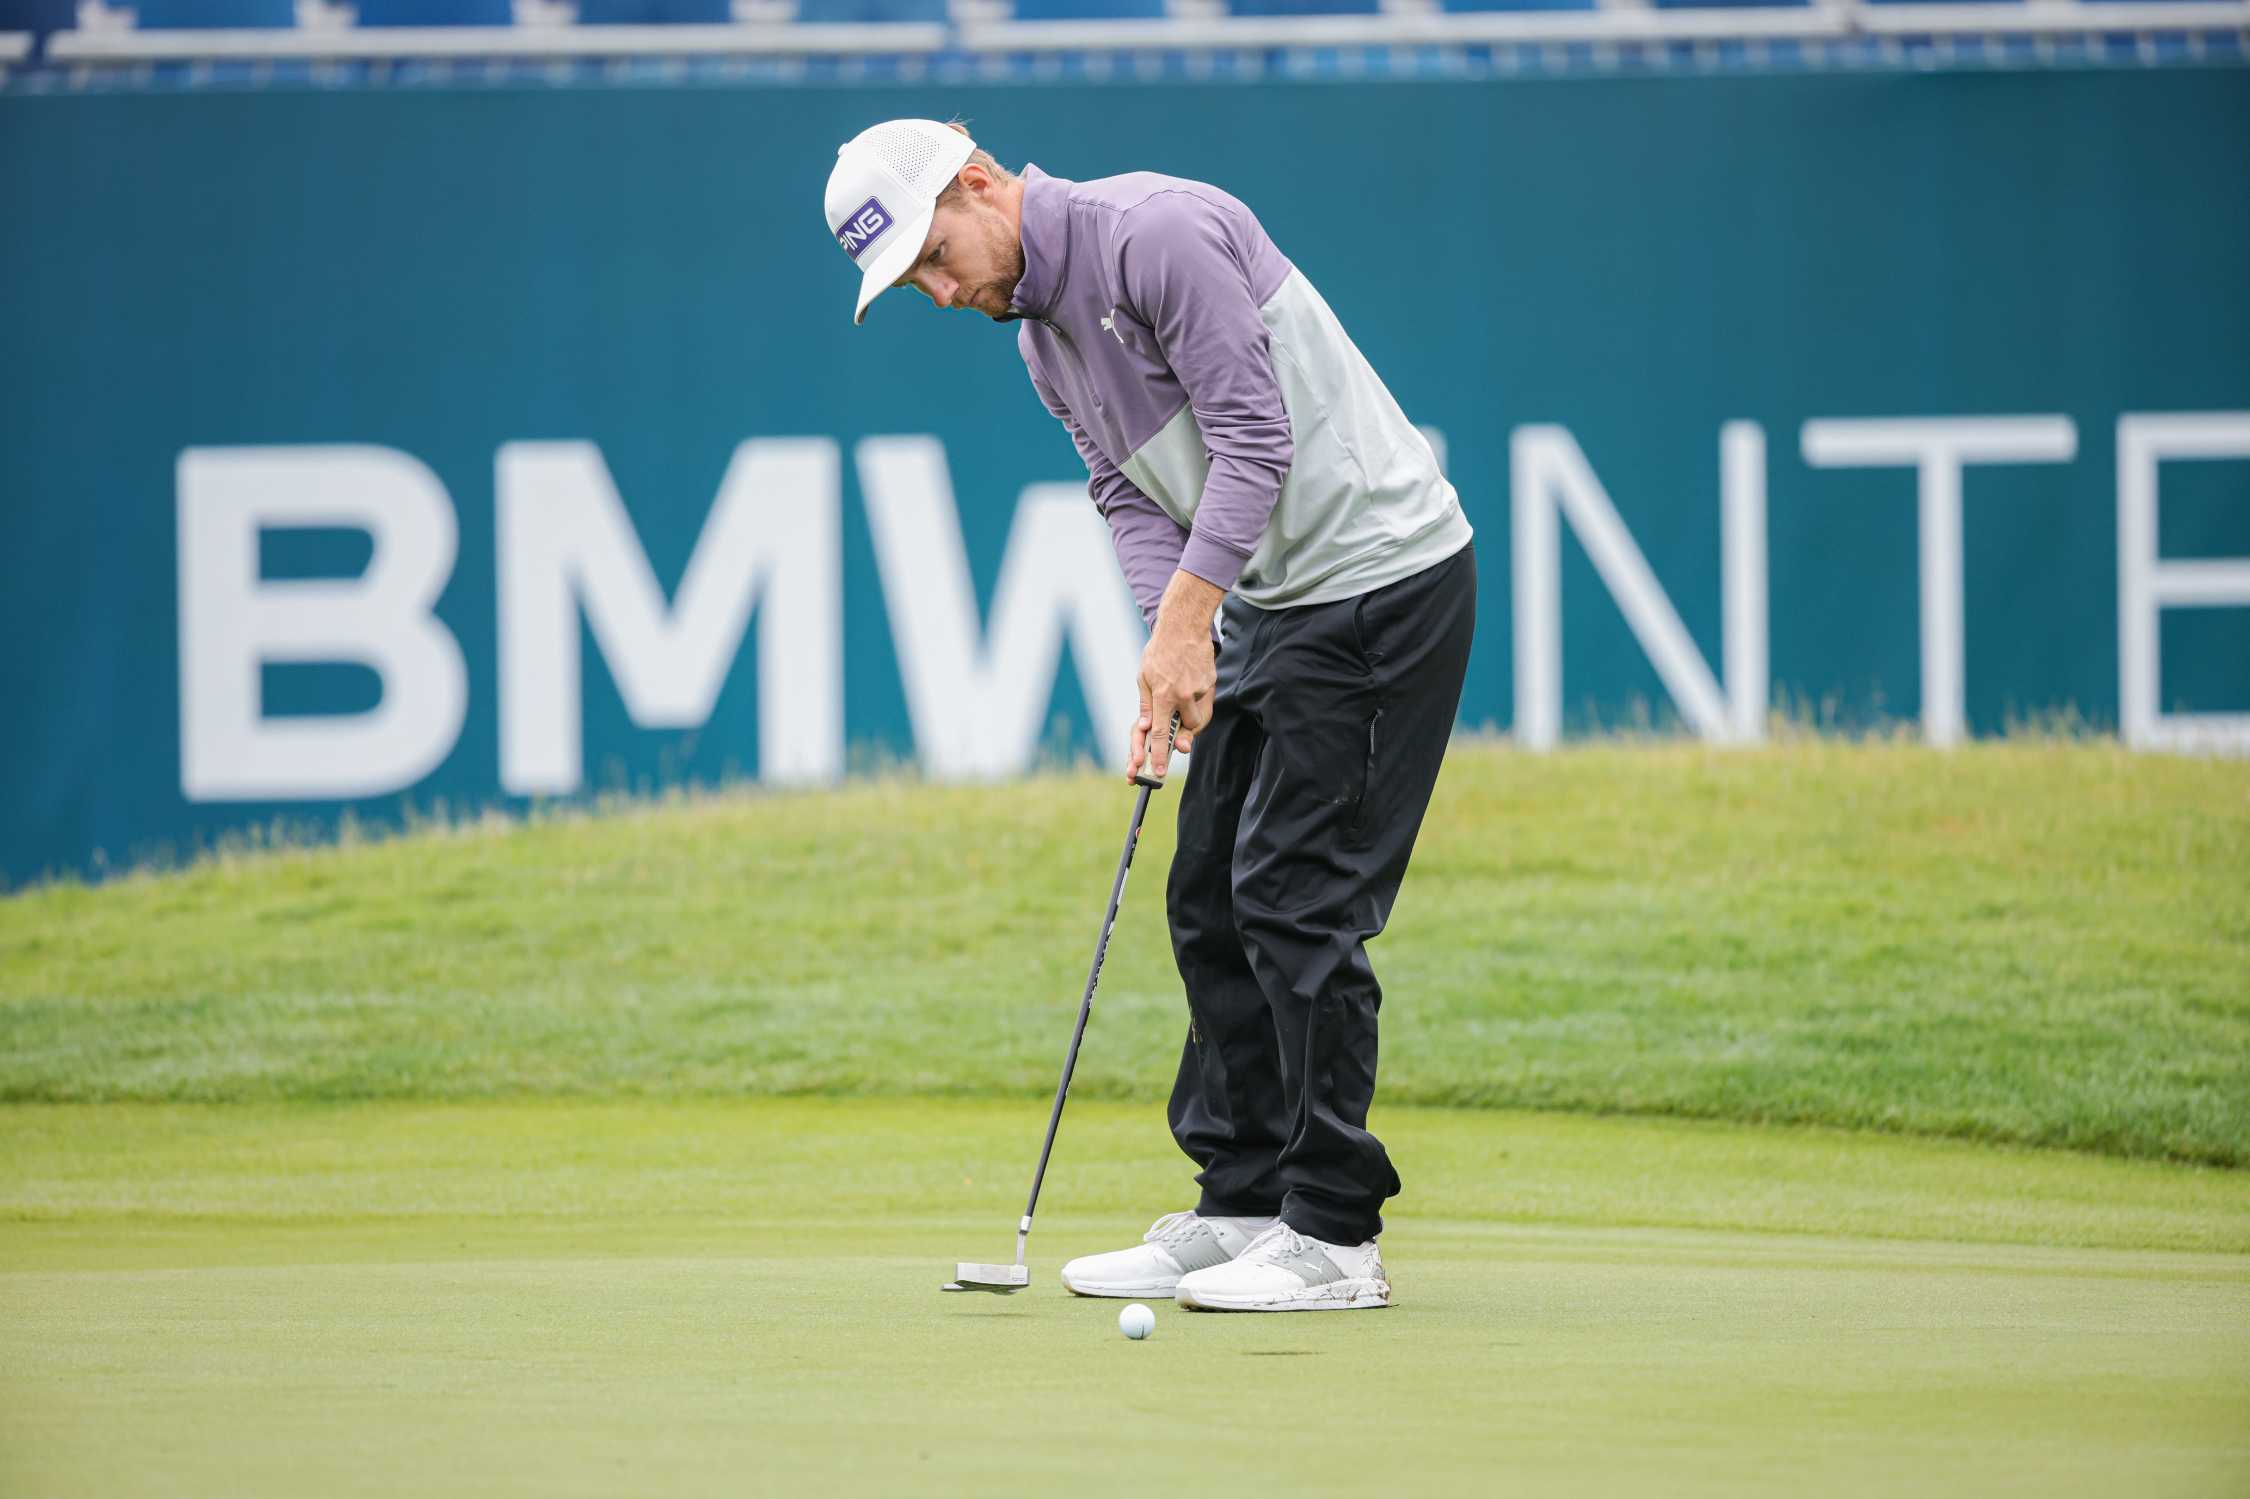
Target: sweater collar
[(1046, 243)]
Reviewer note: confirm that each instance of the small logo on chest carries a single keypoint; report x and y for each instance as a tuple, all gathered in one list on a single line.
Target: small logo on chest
[(1109, 326)]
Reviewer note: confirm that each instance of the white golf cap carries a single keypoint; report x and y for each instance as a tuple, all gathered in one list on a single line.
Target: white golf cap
[(883, 193)]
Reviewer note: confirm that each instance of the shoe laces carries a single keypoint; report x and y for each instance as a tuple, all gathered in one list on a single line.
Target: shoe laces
[(1276, 1244), (1172, 1228)]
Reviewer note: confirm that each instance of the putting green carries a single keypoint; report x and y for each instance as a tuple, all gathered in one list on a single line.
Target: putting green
[(610, 1298)]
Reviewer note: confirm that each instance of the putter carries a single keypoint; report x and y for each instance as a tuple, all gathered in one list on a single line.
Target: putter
[(1006, 1280)]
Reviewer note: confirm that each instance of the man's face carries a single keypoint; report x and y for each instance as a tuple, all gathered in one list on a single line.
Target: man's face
[(972, 258)]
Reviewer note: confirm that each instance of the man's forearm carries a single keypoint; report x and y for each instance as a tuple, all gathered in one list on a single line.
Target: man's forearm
[(1178, 670), (1188, 604)]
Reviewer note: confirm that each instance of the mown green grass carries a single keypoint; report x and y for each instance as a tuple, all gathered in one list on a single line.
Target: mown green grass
[(120, 1174), (603, 1297), (2032, 942)]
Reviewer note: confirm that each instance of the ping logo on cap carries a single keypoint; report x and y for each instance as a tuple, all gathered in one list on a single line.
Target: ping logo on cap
[(863, 228)]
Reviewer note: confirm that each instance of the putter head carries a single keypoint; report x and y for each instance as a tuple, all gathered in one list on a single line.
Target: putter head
[(1000, 1280)]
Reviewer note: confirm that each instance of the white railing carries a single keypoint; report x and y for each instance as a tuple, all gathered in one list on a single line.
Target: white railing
[(15, 46), (1835, 20), (411, 43), (2050, 18), (1225, 33)]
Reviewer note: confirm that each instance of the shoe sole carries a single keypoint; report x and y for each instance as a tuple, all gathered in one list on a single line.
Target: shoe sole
[(1117, 1292), (1336, 1296)]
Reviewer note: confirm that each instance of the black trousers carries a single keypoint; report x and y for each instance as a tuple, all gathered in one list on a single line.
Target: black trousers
[(1302, 801)]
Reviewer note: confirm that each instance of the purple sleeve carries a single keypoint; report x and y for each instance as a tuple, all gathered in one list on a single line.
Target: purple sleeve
[(1147, 541), (1182, 259)]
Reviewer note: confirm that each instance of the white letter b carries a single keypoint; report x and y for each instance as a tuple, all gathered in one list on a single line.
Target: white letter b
[(232, 623)]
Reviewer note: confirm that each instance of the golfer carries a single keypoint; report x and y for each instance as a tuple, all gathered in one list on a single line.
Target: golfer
[(1309, 585)]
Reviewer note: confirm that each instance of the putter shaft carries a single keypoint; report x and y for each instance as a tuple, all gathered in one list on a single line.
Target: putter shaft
[(989, 1277), (1085, 1008)]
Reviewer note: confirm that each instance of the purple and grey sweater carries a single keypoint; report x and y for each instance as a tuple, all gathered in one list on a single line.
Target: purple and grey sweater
[(1229, 425)]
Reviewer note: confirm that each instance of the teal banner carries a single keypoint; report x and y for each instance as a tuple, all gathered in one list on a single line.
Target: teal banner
[(367, 450)]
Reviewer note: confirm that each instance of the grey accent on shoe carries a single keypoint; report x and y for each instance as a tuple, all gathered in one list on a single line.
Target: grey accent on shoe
[(1310, 1265), (1194, 1244)]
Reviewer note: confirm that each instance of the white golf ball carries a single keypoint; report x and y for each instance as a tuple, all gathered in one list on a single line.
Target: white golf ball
[(1136, 1322)]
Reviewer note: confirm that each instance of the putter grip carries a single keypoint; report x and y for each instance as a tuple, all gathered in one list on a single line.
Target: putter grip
[(1156, 783)]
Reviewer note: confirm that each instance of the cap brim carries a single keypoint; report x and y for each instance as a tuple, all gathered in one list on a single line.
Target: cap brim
[(892, 261)]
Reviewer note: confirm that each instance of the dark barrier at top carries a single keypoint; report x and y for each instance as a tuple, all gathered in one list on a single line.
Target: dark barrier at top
[(376, 449)]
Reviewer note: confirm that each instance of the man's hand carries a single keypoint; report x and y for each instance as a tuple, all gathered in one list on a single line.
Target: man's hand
[(1179, 673)]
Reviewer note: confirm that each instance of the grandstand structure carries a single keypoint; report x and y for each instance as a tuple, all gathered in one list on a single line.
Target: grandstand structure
[(48, 44)]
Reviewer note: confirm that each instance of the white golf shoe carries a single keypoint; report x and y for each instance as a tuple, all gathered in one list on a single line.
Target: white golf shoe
[(1174, 1245), (1283, 1271)]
